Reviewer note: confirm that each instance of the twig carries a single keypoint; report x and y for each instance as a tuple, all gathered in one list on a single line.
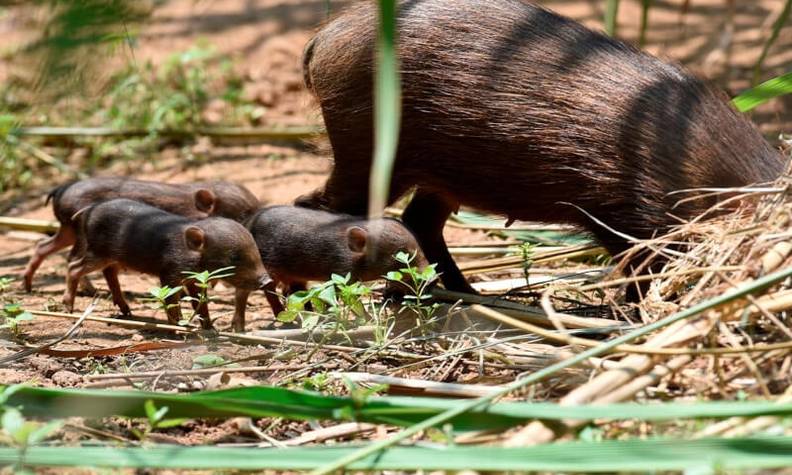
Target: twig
[(35, 225), (271, 133), (196, 372)]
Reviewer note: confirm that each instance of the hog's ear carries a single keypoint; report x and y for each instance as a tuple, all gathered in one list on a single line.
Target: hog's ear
[(205, 200), (356, 239), (194, 236)]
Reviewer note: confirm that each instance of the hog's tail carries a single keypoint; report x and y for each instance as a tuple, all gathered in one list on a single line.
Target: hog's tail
[(306, 64), (58, 191)]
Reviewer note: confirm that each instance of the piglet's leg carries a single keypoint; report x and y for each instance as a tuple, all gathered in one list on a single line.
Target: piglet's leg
[(240, 306), (111, 276), (63, 238), (201, 308), (78, 267)]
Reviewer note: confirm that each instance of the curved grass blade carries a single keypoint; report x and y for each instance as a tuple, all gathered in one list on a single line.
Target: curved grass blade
[(777, 26), (387, 109), (764, 92), (634, 455), (611, 16), (263, 401)]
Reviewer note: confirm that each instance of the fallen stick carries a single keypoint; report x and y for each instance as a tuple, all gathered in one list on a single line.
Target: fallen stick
[(420, 387), (23, 224), (195, 372)]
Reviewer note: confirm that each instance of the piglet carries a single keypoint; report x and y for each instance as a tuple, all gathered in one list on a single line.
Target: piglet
[(298, 245), (193, 200), (126, 234)]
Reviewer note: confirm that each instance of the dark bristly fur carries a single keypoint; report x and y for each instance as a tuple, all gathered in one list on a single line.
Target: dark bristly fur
[(298, 245), (512, 109), (126, 234), (193, 200)]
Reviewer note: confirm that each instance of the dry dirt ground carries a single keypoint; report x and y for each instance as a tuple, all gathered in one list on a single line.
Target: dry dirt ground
[(267, 37)]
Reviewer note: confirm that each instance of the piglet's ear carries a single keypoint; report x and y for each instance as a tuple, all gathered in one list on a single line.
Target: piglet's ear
[(194, 237), (205, 200), (356, 239)]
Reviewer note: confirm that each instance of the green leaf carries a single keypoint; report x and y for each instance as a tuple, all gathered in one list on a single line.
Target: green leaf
[(394, 275), (12, 421), (288, 316), (207, 360), (634, 455), (264, 401), (403, 257), (328, 295), (762, 93), (309, 322), (44, 431), (340, 280)]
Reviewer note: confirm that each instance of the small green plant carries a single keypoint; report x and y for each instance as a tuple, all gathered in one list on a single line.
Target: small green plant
[(527, 251), (155, 420), (203, 280), (19, 432), (417, 282), (318, 382), (160, 296), (339, 298), (13, 315), (207, 361), (5, 283)]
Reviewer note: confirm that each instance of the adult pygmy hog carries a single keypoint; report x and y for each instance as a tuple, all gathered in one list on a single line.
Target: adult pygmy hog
[(193, 200), (123, 233), (512, 109), (298, 245)]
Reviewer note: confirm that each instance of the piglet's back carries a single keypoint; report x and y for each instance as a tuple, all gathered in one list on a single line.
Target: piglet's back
[(141, 236)]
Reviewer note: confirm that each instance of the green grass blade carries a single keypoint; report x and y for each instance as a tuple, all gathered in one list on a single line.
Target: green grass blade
[(764, 92), (645, 6), (777, 26), (609, 456), (611, 16), (387, 109), (262, 401), (462, 408)]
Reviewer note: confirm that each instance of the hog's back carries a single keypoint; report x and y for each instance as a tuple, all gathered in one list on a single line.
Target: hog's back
[(512, 109)]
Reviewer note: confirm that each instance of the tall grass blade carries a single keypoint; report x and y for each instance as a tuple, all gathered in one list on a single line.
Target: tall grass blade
[(263, 401), (777, 26), (764, 92), (611, 16), (645, 6), (387, 109), (703, 455), (462, 408)]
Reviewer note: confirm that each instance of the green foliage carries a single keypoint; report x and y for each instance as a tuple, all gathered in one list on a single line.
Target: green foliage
[(5, 283), (417, 282), (13, 315), (155, 419), (339, 301), (783, 17), (207, 361), (175, 95), (20, 432), (160, 296), (203, 280)]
